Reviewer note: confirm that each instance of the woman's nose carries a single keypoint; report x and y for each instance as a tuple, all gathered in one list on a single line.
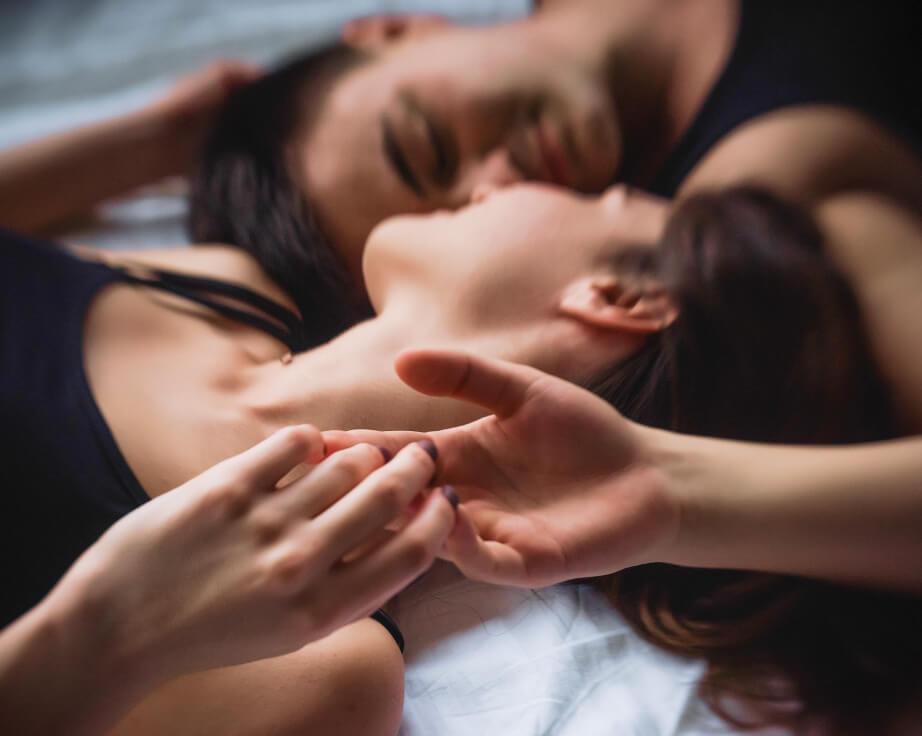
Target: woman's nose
[(493, 172), (482, 191)]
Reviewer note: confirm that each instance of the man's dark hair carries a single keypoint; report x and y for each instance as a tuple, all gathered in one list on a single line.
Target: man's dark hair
[(244, 193)]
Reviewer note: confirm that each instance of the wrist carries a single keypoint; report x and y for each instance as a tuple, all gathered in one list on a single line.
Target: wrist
[(88, 615), (705, 481), (58, 672)]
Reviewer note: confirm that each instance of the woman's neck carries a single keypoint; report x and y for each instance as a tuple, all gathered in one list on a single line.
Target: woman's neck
[(350, 382)]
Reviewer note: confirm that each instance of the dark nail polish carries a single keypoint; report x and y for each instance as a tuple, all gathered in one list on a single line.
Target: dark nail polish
[(451, 495), (386, 454), (429, 446)]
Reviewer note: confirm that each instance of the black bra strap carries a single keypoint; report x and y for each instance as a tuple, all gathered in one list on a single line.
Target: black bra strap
[(233, 291), (284, 325)]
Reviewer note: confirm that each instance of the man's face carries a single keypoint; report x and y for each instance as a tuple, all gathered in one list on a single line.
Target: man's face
[(427, 121)]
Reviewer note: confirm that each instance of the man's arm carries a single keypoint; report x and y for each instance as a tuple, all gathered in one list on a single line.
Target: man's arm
[(809, 154)]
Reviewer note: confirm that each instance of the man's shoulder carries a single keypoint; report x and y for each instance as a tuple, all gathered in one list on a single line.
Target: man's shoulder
[(811, 152)]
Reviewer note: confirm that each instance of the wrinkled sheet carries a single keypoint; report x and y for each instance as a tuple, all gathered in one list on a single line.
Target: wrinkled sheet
[(480, 660), (559, 661)]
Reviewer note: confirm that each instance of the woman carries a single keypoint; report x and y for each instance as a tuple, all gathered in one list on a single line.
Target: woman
[(533, 275)]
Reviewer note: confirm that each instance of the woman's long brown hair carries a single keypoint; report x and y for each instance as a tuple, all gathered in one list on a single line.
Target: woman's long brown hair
[(768, 347)]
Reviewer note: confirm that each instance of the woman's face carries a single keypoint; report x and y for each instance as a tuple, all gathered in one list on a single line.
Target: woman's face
[(509, 254)]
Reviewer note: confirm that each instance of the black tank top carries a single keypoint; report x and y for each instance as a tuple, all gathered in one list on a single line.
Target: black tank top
[(848, 53), (64, 480)]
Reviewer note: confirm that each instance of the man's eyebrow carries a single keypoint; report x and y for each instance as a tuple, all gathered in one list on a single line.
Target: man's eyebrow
[(397, 160)]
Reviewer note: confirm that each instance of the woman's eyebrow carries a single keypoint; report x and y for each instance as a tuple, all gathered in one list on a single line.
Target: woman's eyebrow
[(397, 160)]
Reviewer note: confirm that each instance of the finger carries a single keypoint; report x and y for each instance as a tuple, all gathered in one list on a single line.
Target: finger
[(395, 526), (487, 561), (377, 540), (336, 440), (496, 385), (376, 501), (263, 465), (336, 476), (461, 459), (384, 573)]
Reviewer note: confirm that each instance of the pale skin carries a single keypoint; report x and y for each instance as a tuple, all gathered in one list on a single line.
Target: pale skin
[(237, 568), (615, 84), (52, 181), (668, 498), (839, 163), (649, 516), (228, 388), (891, 172)]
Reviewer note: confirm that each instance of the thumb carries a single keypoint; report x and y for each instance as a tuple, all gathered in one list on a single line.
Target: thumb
[(495, 385)]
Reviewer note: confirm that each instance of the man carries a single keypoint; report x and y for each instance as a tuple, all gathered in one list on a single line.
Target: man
[(415, 114)]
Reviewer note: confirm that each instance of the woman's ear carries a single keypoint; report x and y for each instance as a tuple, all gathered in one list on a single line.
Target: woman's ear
[(377, 31), (638, 306)]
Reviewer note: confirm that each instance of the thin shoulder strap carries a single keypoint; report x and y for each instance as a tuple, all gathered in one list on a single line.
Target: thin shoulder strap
[(282, 323)]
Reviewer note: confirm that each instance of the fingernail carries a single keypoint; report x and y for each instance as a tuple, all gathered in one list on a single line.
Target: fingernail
[(451, 495), (429, 446), (385, 453)]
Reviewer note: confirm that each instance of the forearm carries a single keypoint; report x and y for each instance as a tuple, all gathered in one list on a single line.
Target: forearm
[(59, 673), (48, 181), (850, 514)]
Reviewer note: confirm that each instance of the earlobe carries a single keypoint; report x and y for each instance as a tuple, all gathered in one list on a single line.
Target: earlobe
[(609, 303), (377, 31)]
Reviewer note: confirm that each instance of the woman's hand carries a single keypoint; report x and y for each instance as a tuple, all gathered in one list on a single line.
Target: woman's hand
[(555, 484), (228, 568)]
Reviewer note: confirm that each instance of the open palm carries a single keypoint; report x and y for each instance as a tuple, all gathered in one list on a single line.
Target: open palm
[(555, 484)]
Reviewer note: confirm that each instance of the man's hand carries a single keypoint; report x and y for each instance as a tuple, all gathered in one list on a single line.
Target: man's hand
[(555, 485)]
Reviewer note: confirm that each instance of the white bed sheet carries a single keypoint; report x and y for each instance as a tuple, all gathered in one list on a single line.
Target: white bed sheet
[(480, 660)]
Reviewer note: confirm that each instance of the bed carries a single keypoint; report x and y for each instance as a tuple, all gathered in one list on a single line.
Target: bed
[(480, 659)]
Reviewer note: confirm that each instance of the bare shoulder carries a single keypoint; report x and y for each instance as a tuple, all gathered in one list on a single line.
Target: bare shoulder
[(877, 242), (809, 153), (871, 234)]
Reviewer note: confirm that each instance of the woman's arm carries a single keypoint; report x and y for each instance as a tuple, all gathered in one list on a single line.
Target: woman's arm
[(233, 569), (54, 664), (48, 181), (847, 514), (557, 485)]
